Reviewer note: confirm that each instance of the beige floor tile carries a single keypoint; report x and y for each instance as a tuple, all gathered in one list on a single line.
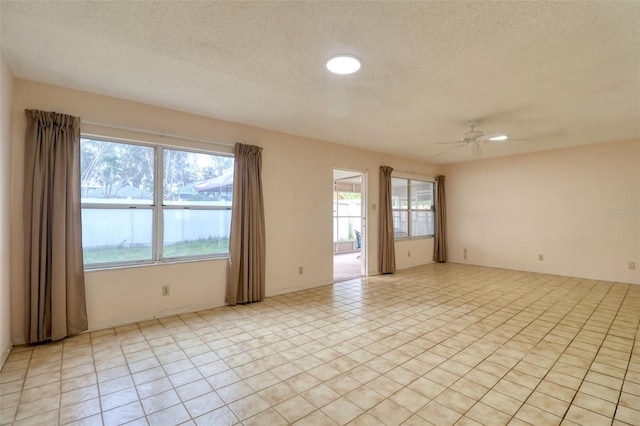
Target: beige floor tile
[(203, 404), (194, 389), (409, 399), (46, 418), (80, 410), (248, 406), (117, 399), (234, 392), (557, 391), (123, 414), (38, 392), (485, 414), (160, 401), (222, 416), (438, 414), (317, 418), (363, 374), (8, 414), (536, 416), (548, 403), (426, 387), (513, 390), (364, 397), (455, 401), (586, 417), (30, 409), (341, 411), (390, 413), (277, 393), (595, 404), (499, 401), (384, 386), (267, 417), (294, 409), (320, 395), (627, 415), (469, 388)]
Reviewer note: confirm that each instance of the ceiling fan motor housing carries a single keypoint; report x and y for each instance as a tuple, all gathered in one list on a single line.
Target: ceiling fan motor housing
[(472, 135)]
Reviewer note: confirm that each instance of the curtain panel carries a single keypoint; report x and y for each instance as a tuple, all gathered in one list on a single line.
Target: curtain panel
[(246, 275), (386, 239), (55, 305), (440, 240)]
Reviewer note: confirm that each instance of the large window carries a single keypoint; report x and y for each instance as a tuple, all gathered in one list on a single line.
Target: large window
[(412, 205), (143, 204)]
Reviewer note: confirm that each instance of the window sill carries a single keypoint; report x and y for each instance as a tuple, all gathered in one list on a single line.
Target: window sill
[(151, 264), (426, 237)]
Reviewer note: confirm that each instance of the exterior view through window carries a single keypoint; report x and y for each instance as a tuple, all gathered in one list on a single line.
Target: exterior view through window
[(143, 203), (412, 206)]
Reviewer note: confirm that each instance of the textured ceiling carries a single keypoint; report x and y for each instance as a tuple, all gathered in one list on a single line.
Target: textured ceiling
[(555, 73)]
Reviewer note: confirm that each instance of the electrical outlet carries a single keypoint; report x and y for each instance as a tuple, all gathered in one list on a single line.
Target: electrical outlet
[(465, 254), (632, 265), (300, 270), (541, 257), (409, 254), (165, 290)]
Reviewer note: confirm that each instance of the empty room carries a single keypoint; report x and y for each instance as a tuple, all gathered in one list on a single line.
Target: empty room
[(319, 213)]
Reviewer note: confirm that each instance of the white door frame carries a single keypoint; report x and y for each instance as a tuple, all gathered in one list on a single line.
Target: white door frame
[(364, 226)]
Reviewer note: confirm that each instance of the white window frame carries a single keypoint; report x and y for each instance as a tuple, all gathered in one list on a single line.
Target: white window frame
[(409, 210), (156, 205)]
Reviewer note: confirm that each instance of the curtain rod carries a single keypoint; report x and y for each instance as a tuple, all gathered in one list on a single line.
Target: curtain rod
[(150, 132), (411, 173)]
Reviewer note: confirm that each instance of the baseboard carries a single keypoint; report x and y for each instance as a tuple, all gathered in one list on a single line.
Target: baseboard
[(5, 355), (415, 265), (298, 288), (163, 314)]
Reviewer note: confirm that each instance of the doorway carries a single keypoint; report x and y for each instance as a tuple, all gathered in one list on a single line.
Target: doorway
[(349, 225)]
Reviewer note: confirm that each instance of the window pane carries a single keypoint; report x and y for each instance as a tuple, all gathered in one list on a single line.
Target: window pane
[(196, 232), (116, 173), (346, 228), (116, 235), (400, 224), (192, 178), (399, 193), (348, 204), (421, 223), (421, 195)]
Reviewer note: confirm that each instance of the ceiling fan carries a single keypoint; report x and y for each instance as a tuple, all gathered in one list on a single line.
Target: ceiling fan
[(475, 139)]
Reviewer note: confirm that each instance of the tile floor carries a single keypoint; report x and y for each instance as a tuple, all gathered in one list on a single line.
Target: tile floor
[(346, 265), (441, 344)]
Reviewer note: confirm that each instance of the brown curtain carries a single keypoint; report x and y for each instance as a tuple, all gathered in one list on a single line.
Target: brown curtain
[(386, 241), (54, 270), (440, 242), (246, 277)]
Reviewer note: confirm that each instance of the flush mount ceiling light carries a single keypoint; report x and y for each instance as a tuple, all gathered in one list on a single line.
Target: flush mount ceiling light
[(343, 64)]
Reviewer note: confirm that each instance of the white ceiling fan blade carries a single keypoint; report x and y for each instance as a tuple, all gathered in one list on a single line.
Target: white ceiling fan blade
[(445, 151), (493, 137), (444, 143)]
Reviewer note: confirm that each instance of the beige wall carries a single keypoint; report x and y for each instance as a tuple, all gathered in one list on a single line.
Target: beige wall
[(6, 89), (557, 203), (297, 177)]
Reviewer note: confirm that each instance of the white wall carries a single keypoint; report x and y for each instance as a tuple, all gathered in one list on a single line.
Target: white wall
[(6, 89), (556, 203), (298, 184)]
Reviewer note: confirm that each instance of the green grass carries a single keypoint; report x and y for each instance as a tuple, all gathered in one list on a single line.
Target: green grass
[(200, 247)]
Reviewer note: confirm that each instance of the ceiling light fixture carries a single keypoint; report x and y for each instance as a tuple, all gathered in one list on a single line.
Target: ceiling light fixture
[(499, 138), (343, 64)]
